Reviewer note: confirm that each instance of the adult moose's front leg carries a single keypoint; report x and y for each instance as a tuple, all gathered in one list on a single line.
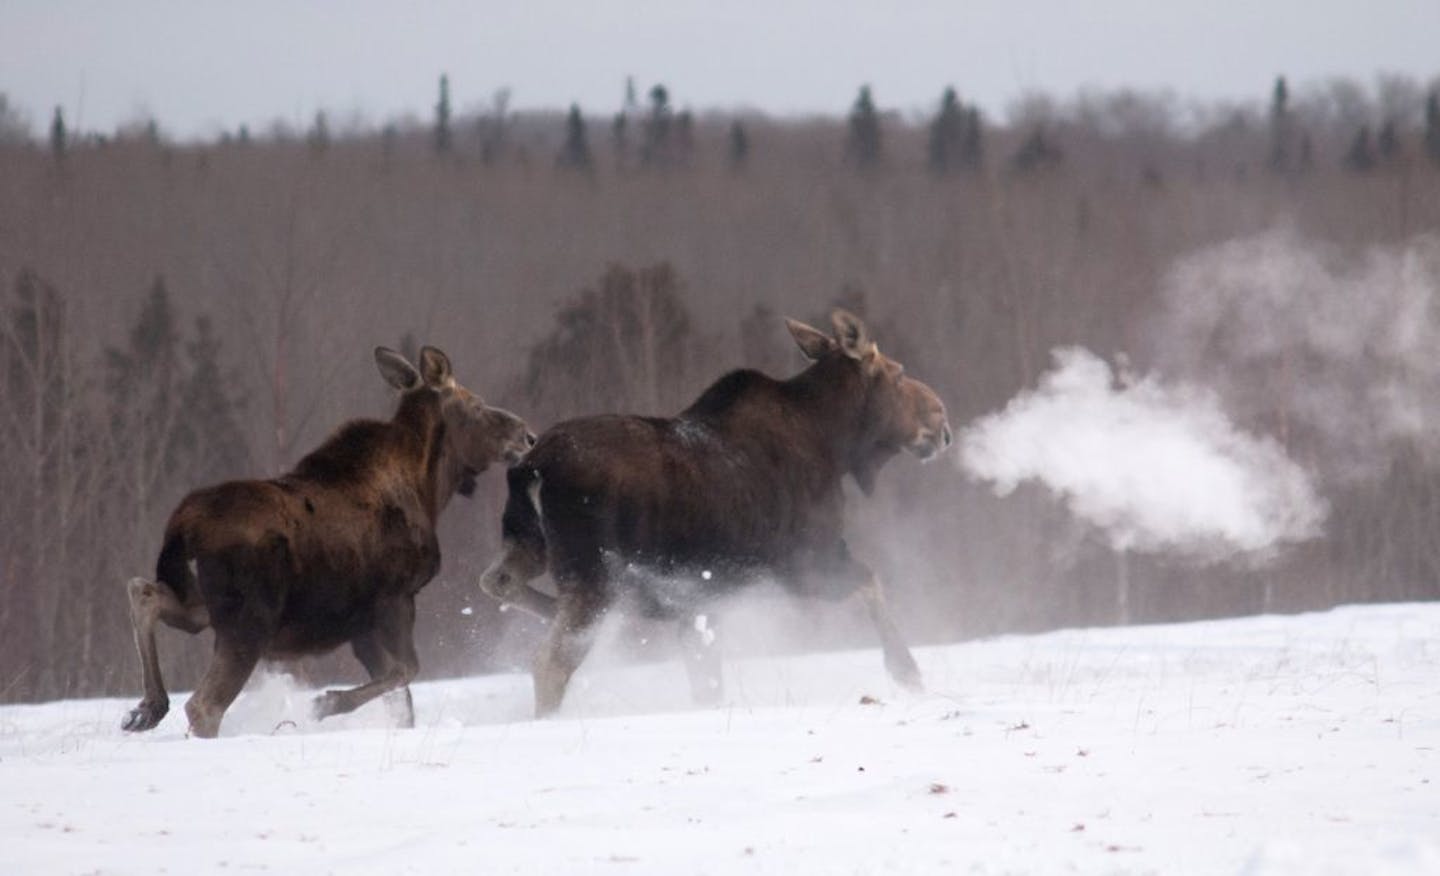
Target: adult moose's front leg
[(838, 577), (508, 580), (898, 660)]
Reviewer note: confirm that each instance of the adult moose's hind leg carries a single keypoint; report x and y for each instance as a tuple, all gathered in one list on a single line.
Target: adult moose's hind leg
[(524, 555), (394, 636), (508, 580), (152, 601), (701, 651)]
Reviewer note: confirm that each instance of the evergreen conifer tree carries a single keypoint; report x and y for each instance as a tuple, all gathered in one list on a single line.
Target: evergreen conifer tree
[(1387, 143), (1281, 128), (657, 149), (575, 152), (863, 145), (972, 145), (442, 117), (319, 137), (739, 152), (1361, 157), (210, 430), (620, 140), (59, 141), (947, 134), (1036, 153), (1432, 126)]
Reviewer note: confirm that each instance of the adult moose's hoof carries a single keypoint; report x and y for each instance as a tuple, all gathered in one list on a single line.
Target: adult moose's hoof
[(905, 672), (144, 716)]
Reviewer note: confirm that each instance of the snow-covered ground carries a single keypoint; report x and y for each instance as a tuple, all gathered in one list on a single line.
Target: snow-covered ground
[(1270, 745)]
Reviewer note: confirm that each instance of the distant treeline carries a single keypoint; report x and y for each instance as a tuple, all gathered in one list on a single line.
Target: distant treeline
[(176, 314)]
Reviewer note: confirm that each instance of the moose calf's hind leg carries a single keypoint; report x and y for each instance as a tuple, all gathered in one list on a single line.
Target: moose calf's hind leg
[(144, 611), (230, 667)]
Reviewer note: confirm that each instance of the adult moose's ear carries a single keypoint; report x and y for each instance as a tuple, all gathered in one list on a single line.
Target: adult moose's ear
[(813, 342), (396, 369), (435, 367), (853, 337)]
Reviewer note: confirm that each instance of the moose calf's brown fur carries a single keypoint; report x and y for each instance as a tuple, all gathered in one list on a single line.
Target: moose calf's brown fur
[(745, 483), (332, 552)]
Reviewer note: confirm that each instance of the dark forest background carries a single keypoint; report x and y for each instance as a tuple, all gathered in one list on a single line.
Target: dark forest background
[(174, 314)]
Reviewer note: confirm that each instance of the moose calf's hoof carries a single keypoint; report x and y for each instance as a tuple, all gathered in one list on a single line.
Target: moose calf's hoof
[(326, 704), (144, 717)]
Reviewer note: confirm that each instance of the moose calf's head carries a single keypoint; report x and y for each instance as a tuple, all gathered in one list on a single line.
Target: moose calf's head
[(475, 435), (897, 411)]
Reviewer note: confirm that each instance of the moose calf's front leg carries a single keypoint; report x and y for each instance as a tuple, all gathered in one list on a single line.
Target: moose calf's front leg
[(388, 653), (378, 662)]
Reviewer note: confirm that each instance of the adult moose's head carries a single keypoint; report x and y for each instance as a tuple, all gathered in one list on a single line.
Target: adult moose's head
[(474, 435), (893, 411)]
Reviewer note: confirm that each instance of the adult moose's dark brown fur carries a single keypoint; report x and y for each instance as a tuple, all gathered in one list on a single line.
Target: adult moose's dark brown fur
[(667, 514), (332, 552)]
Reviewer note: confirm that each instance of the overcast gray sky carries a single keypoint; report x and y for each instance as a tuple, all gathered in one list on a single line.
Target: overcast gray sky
[(200, 66)]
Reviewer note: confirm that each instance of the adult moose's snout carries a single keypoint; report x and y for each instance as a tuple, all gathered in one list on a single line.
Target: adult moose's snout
[(932, 427), (931, 441)]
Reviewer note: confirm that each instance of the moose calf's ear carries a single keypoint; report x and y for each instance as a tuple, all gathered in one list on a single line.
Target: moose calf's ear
[(396, 369), (852, 335), (435, 367), (813, 342)]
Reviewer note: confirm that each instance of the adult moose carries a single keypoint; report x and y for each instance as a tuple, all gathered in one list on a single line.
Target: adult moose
[(669, 513), (332, 552)]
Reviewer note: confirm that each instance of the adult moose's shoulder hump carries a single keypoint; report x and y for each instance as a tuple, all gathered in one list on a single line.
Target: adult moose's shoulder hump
[(332, 552), (667, 514)]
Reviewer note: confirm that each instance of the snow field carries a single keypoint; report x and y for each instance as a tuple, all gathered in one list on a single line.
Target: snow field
[(1269, 745)]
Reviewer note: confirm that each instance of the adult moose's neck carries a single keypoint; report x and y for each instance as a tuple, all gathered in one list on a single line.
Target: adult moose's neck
[(829, 395), (832, 392)]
